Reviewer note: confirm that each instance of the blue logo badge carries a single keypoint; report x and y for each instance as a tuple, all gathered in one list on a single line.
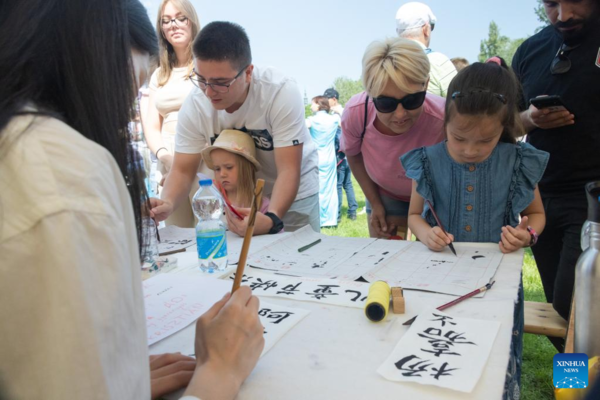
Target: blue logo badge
[(570, 371)]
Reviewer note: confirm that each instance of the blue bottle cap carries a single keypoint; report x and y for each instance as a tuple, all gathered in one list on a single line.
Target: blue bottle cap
[(205, 182)]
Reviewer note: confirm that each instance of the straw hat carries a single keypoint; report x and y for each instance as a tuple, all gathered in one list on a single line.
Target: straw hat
[(233, 141)]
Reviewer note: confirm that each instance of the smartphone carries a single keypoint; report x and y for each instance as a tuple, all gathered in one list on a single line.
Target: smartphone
[(552, 103)]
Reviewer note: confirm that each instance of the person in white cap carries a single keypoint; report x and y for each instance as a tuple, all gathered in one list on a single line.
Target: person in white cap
[(416, 21)]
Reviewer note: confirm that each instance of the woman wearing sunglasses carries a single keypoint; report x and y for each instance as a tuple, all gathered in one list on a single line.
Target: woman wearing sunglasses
[(391, 117), (177, 25)]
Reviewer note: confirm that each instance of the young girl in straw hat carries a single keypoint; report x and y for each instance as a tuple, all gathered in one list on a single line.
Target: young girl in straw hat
[(233, 158)]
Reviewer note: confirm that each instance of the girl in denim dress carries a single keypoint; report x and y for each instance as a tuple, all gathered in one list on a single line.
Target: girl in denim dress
[(480, 181)]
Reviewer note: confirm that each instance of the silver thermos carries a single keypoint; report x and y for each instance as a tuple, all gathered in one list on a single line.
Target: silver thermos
[(587, 279)]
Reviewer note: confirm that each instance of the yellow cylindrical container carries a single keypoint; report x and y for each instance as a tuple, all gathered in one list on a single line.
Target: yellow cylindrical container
[(378, 301)]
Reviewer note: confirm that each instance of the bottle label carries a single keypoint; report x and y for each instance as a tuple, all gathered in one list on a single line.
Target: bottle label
[(211, 245)]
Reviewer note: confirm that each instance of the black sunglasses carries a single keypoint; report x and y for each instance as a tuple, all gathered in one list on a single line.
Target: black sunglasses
[(387, 105), (561, 62)]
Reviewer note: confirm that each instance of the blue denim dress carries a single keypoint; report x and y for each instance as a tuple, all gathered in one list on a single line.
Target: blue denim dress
[(474, 201)]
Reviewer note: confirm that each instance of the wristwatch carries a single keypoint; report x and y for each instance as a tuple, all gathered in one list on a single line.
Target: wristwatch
[(534, 236), (277, 223)]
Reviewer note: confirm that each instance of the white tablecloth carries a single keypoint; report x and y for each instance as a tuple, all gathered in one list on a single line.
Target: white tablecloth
[(334, 352)]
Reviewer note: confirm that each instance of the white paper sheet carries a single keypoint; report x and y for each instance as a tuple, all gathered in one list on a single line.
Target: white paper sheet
[(318, 290), (174, 301), (174, 239), (443, 351), (325, 260), (417, 267), (235, 242), (370, 257), (276, 319)]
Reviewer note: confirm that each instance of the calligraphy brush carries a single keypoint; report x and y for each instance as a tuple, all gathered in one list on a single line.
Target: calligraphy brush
[(440, 225), (153, 220), (456, 301), (256, 203), (227, 202), (156, 226)]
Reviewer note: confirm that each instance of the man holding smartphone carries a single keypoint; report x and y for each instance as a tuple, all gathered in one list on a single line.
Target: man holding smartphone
[(563, 60)]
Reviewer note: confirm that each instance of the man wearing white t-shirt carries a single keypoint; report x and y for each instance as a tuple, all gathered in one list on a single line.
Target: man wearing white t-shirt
[(232, 94)]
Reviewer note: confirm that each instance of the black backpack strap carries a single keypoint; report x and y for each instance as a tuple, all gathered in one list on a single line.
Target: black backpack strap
[(362, 135)]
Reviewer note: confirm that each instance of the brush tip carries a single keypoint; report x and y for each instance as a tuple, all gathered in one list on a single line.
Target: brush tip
[(452, 249)]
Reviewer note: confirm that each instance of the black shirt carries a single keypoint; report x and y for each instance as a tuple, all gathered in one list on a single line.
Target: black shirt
[(574, 149)]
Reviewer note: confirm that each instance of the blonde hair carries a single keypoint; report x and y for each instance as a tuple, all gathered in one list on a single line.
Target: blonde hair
[(167, 58), (400, 60), (245, 181)]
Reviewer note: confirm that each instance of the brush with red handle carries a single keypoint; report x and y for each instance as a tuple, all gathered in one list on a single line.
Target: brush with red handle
[(227, 202), (456, 301)]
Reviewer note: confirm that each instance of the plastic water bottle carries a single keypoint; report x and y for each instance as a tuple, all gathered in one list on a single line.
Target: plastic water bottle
[(211, 234)]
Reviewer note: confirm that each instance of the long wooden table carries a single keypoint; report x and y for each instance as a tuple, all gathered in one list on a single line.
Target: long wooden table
[(335, 351)]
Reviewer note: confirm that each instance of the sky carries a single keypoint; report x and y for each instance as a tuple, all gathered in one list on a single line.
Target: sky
[(316, 41)]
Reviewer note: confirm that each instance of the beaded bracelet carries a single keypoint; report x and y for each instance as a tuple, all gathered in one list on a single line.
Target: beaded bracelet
[(534, 236)]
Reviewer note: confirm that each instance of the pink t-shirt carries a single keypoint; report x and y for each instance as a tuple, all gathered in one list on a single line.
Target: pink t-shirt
[(381, 153), (264, 207)]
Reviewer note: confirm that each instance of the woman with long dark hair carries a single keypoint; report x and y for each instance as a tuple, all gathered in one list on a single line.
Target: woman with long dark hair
[(71, 206)]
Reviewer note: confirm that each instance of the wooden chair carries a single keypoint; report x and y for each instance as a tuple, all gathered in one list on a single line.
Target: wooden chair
[(542, 319)]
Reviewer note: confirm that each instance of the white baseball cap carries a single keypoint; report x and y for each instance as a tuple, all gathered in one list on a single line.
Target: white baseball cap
[(414, 15)]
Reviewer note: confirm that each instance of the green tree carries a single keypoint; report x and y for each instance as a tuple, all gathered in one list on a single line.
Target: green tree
[(540, 12), (494, 45), (511, 49), (347, 88), (498, 45), (307, 111)]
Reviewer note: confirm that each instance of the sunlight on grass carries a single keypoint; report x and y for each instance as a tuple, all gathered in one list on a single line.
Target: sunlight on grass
[(536, 379)]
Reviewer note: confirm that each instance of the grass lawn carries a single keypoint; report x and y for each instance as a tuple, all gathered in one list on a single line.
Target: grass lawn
[(536, 379)]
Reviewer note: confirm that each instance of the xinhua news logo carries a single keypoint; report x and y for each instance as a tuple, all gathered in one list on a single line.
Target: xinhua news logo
[(570, 371)]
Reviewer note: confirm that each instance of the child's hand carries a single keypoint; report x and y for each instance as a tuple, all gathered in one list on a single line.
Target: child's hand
[(235, 224), (437, 239), (262, 224), (513, 239)]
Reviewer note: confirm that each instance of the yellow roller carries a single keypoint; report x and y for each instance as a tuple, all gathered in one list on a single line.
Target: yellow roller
[(378, 301)]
